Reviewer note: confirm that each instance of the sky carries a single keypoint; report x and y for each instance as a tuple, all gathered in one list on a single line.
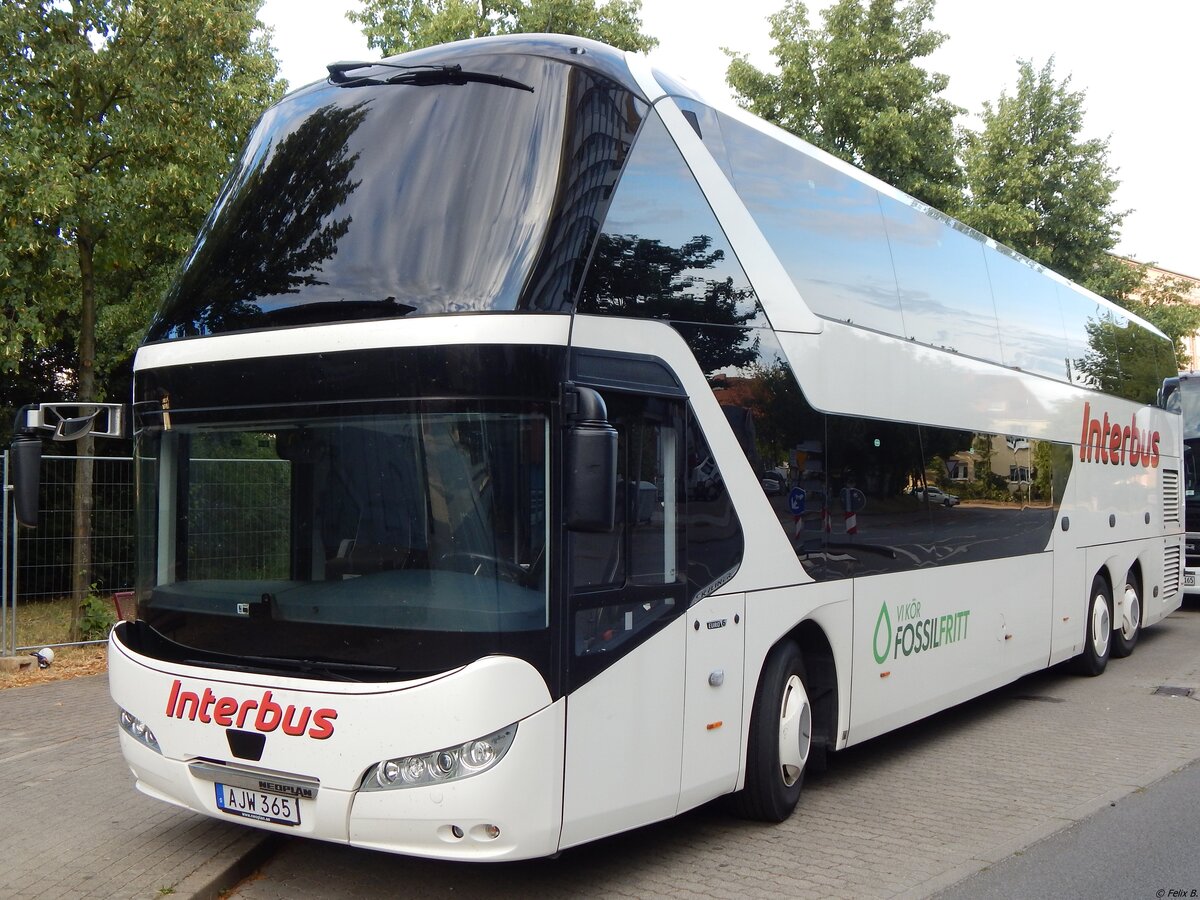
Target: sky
[(1135, 63)]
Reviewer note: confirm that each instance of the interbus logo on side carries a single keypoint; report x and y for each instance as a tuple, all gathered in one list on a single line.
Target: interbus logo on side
[(1108, 442)]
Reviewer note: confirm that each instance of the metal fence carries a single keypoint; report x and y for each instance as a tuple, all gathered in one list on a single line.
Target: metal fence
[(37, 561), (237, 528)]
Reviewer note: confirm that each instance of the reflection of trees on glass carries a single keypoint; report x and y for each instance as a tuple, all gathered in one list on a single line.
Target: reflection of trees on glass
[(1122, 359), (882, 457), (782, 420), (644, 278), (278, 229)]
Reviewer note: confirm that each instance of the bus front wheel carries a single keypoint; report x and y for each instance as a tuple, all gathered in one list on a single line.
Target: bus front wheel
[(1097, 644), (780, 740)]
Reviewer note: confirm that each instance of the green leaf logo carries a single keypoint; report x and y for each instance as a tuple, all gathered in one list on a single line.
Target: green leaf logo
[(882, 627)]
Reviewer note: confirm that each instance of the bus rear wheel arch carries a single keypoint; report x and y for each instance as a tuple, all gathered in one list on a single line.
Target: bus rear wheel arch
[(1098, 636), (1128, 622)]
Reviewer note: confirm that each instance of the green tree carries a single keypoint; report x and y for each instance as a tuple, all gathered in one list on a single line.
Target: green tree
[(856, 88), (1165, 303), (397, 26), (118, 119), (1036, 185)]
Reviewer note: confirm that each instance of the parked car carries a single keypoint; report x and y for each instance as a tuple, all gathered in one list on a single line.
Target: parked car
[(774, 482), (935, 495)]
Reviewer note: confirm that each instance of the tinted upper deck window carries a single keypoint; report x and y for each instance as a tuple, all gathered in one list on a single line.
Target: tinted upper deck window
[(663, 255), (825, 226), (391, 200)]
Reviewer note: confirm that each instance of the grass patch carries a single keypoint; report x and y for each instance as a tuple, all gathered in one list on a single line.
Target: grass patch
[(41, 622)]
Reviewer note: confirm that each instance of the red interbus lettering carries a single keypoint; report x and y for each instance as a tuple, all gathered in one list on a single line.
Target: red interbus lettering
[(1102, 441), (263, 714)]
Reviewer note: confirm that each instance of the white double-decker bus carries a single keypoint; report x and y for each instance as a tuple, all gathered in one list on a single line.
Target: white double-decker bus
[(528, 451)]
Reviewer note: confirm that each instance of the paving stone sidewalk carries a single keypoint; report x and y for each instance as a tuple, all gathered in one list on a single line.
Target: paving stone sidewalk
[(902, 816), (73, 824)]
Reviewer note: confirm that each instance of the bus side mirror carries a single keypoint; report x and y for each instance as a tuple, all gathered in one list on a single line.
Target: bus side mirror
[(25, 455), (66, 422), (590, 462)]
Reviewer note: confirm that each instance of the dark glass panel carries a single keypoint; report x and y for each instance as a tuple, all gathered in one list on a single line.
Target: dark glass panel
[(662, 254), (945, 296), (644, 546), (1121, 357), (824, 225), (629, 583), (861, 497), (463, 371), (714, 534), (393, 200), (389, 542)]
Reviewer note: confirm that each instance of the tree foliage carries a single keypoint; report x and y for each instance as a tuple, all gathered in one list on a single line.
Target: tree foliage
[(1036, 185), (397, 26), (856, 88), (118, 119), (1166, 302)]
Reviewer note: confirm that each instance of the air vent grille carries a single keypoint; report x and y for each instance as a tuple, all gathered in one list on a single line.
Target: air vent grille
[(1170, 488), (1171, 561)]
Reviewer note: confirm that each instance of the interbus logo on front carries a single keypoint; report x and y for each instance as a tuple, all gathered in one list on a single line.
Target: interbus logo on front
[(263, 714)]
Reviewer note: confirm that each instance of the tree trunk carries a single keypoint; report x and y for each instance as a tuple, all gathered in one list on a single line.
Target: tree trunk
[(81, 552)]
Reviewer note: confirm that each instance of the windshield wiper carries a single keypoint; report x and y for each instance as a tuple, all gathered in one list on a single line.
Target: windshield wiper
[(421, 76), (337, 671)]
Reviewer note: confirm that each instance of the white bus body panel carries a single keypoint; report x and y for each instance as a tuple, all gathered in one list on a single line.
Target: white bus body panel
[(623, 742), (928, 639), (713, 733), (372, 723), (482, 328), (862, 373), (775, 612)]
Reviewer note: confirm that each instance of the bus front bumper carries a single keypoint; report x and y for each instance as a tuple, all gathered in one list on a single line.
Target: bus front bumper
[(512, 811)]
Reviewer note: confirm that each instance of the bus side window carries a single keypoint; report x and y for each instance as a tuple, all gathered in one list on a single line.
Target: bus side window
[(627, 580)]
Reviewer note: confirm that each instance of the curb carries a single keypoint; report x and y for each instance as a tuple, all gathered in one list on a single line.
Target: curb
[(228, 868)]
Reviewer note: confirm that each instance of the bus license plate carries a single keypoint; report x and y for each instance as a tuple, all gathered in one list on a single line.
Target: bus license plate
[(260, 805), (1189, 579)]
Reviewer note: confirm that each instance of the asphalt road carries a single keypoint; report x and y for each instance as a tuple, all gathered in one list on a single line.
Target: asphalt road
[(1146, 845)]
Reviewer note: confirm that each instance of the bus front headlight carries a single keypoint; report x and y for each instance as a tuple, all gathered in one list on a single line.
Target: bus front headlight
[(440, 766), (138, 730)]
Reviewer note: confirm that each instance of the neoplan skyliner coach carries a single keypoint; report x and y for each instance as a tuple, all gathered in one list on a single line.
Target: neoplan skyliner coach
[(529, 451)]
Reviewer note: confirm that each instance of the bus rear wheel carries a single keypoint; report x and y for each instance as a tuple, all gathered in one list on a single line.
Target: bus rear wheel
[(780, 740), (1125, 637), (1097, 644)]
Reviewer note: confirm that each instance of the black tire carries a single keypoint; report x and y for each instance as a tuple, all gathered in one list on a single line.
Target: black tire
[(1098, 641), (781, 708), (1129, 628)]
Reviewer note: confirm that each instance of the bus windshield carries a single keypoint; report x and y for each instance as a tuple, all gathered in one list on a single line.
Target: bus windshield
[(1189, 399), (409, 541), (372, 200)]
